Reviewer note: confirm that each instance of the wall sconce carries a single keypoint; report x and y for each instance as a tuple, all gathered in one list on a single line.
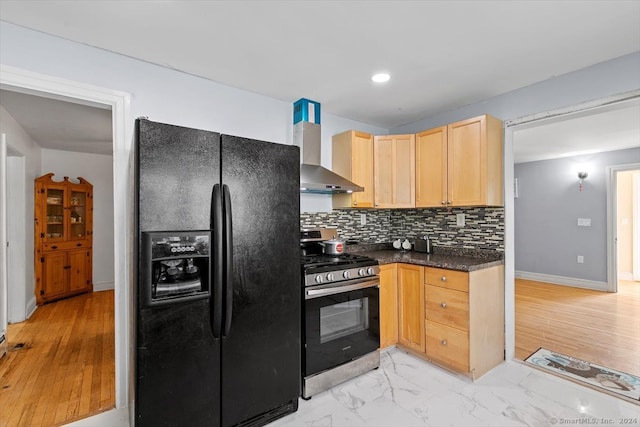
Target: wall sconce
[(582, 176)]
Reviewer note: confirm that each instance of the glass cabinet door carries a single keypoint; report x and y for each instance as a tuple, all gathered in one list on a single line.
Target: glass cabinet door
[(78, 215), (55, 213)]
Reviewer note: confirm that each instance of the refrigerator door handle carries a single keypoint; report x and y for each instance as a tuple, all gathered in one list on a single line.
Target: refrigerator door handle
[(228, 272), (215, 303)]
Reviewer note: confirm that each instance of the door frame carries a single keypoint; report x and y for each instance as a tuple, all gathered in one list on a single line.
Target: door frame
[(4, 309), (24, 81), (509, 205), (612, 223)]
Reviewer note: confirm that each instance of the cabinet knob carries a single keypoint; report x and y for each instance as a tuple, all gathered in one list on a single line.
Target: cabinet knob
[(442, 202), (448, 202), (443, 342), (443, 278), (443, 304), (355, 203)]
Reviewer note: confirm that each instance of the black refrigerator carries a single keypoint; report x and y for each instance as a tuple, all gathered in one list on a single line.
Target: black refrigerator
[(218, 279)]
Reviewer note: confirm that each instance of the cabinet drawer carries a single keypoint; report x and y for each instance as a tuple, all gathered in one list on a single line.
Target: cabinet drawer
[(447, 306), (69, 244), (450, 279), (448, 345)]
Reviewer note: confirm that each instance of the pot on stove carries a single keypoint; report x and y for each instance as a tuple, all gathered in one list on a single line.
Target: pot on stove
[(333, 246)]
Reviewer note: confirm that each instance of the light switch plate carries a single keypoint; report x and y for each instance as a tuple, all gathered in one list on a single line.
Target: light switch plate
[(584, 222), (460, 220)]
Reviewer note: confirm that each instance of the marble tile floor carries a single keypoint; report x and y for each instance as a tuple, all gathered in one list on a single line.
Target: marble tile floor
[(407, 392)]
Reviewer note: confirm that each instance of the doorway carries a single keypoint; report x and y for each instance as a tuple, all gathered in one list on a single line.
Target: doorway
[(568, 241), (122, 125)]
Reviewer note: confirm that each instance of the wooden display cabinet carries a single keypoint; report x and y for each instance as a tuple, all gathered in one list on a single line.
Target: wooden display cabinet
[(63, 238)]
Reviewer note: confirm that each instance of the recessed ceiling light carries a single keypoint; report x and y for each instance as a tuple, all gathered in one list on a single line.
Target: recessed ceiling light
[(380, 77)]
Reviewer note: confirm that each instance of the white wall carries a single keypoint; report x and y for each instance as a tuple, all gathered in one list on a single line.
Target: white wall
[(98, 170), (169, 96), (22, 301)]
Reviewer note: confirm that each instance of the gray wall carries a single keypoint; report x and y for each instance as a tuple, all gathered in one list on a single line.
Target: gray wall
[(547, 237)]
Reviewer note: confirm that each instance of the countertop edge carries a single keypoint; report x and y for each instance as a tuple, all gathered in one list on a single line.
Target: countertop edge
[(449, 262)]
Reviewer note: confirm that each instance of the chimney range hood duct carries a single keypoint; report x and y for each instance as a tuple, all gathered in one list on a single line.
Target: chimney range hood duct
[(313, 177)]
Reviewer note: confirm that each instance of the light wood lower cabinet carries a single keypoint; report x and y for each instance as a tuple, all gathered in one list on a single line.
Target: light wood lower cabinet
[(411, 307), (465, 318), (388, 305)]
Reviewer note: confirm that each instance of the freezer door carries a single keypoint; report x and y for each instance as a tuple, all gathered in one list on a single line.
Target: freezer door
[(177, 356), (261, 351), (177, 168)]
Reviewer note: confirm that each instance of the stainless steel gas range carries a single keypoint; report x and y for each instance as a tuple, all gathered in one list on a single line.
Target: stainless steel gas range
[(340, 316)]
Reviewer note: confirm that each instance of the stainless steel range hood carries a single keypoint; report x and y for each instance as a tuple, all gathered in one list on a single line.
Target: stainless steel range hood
[(313, 177)]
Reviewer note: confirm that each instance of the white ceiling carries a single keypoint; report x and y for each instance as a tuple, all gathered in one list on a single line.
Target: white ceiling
[(441, 54)]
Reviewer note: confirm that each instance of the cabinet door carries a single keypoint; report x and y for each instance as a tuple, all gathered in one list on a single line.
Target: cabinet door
[(362, 169), (467, 162), (394, 171), (388, 305), (54, 210), (411, 316), (431, 168), (77, 214), (79, 269), (352, 158), (55, 275)]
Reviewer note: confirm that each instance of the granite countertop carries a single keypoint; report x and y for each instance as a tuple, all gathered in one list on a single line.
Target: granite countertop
[(442, 257)]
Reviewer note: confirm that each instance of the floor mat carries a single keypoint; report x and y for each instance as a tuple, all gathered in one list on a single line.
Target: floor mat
[(581, 371)]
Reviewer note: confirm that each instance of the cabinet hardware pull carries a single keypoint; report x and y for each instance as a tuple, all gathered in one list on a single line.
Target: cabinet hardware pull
[(78, 244), (443, 342), (443, 278), (448, 202), (54, 247), (443, 304), (355, 203), (442, 202)]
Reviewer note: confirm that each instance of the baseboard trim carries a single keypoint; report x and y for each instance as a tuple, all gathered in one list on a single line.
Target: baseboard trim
[(31, 307), (564, 281), (97, 287), (626, 276)]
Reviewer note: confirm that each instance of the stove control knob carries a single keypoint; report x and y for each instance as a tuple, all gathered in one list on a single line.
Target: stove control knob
[(330, 277), (370, 271), (319, 278), (346, 274), (361, 272)]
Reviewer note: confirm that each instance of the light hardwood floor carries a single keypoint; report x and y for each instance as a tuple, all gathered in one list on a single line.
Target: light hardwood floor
[(60, 366), (600, 327)]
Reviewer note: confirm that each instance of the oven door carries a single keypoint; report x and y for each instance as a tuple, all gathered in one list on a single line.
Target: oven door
[(342, 323)]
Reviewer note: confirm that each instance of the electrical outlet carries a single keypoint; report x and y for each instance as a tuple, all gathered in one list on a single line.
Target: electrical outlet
[(580, 259), (363, 219), (460, 220)]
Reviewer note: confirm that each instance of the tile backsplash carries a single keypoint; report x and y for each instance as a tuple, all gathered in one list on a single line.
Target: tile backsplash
[(483, 229)]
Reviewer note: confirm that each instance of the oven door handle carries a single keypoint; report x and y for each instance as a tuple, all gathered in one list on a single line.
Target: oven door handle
[(338, 289)]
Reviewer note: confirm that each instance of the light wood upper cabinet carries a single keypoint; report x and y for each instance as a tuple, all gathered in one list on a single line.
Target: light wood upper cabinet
[(411, 315), (473, 157), (431, 167), (352, 158), (388, 305), (394, 166)]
